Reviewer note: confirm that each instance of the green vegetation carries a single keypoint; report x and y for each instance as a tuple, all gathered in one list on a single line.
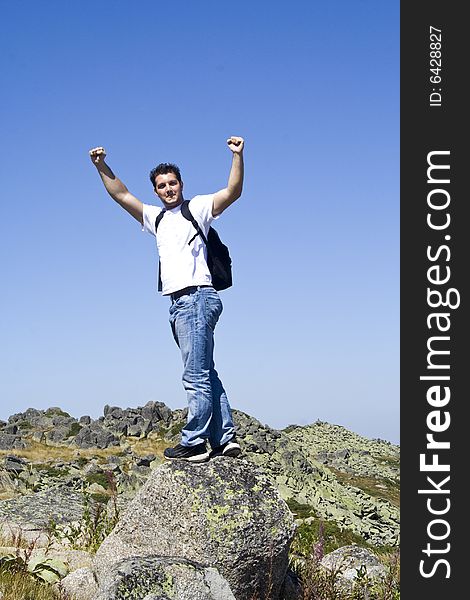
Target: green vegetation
[(74, 430), (386, 489), (100, 478), (100, 515), (50, 471), (313, 541), (176, 428), (300, 511), (15, 586), (81, 461), (28, 575), (333, 537), (393, 461), (54, 411)]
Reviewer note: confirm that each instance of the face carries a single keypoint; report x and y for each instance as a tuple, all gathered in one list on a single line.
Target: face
[(169, 190)]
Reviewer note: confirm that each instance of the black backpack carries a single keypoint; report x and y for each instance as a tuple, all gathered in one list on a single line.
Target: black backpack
[(218, 257)]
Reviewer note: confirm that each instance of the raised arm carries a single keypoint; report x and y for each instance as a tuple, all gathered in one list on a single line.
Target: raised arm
[(114, 186), (233, 191)]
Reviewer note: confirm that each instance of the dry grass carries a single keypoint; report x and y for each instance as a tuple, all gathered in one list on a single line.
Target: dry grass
[(150, 445), (12, 539), (7, 495), (38, 452), (18, 586)]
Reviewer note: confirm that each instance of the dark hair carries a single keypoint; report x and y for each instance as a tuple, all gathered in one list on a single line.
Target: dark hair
[(163, 169)]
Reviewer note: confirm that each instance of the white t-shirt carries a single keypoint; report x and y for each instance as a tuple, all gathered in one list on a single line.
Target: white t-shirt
[(182, 264)]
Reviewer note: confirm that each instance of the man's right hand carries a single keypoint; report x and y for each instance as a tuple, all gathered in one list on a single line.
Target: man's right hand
[(97, 156), (114, 186)]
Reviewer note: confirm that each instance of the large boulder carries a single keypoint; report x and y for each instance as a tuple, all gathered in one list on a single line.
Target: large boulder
[(224, 514)]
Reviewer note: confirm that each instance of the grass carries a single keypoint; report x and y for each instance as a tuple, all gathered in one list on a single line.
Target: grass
[(318, 583), (17, 586), (390, 490), (75, 428), (300, 511), (8, 495), (14, 538), (393, 461), (38, 452), (332, 536), (51, 471), (150, 445), (56, 411), (42, 453), (101, 479), (19, 578)]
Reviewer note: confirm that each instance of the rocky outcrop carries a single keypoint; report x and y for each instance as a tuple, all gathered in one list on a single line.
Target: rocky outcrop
[(323, 466), (224, 514), (335, 446), (290, 461)]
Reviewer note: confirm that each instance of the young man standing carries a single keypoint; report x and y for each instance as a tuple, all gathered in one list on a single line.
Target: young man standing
[(195, 305)]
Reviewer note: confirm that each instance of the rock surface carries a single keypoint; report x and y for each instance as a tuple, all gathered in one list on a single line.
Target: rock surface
[(223, 514), (349, 561), (80, 584), (155, 577)]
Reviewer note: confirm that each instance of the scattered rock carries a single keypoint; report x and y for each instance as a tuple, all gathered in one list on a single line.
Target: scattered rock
[(302, 462)]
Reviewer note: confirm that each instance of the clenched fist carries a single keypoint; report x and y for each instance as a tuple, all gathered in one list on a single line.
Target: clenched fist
[(236, 144), (97, 155)]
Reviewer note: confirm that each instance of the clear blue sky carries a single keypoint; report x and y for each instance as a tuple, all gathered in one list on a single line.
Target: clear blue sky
[(310, 329)]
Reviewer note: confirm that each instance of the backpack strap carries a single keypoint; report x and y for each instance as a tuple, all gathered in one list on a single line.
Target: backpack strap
[(157, 223), (187, 215), (159, 218)]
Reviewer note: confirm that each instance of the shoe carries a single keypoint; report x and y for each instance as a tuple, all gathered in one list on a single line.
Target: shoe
[(197, 453), (230, 448)]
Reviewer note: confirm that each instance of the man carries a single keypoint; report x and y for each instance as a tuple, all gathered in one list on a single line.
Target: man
[(195, 304)]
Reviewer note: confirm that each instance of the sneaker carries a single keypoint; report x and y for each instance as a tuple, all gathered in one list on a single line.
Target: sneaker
[(230, 448), (197, 453)]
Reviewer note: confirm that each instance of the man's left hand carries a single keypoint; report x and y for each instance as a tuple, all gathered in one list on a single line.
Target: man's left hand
[(236, 144)]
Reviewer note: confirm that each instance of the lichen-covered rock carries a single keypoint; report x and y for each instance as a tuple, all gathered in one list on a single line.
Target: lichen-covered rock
[(289, 458), (163, 578), (349, 561), (225, 514), (60, 504)]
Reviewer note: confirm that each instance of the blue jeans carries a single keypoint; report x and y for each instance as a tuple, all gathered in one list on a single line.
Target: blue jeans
[(193, 318)]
